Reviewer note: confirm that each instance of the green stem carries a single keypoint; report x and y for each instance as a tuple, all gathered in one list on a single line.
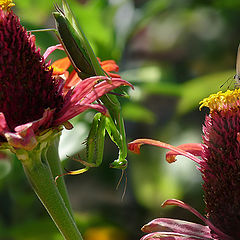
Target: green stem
[(53, 160), (40, 177)]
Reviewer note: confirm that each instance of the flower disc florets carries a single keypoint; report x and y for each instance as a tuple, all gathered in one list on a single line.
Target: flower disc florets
[(32, 98), (26, 83), (221, 166)]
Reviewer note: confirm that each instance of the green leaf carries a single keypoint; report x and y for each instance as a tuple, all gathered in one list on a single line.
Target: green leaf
[(137, 113), (195, 90)]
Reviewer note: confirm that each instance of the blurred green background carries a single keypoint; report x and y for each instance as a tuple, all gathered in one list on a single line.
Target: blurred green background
[(175, 53)]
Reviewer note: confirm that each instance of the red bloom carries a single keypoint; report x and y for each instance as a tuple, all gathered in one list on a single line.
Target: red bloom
[(32, 99), (60, 67), (219, 166)]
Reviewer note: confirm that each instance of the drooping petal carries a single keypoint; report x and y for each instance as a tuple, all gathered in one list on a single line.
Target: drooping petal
[(181, 204), (193, 148), (24, 139), (104, 87), (24, 135), (52, 49), (72, 80), (172, 236), (85, 93), (46, 120), (135, 145), (177, 226), (109, 66), (77, 109)]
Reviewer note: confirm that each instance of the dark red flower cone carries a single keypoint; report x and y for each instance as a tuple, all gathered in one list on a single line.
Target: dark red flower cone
[(26, 83)]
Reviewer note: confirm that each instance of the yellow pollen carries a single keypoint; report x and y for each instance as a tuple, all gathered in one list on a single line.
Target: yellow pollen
[(57, 70), (222, 101), (6, 4)]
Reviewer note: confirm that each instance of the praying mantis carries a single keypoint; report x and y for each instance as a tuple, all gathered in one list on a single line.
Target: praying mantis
[(83, 58)]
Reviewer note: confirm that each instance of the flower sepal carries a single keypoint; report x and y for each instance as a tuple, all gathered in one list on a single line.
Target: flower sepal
[(26, 141)]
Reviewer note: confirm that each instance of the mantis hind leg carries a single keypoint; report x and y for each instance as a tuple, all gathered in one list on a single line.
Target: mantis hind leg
[(94, 146)]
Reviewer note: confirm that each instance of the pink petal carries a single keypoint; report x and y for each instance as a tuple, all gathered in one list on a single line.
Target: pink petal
[(181, 204), (171, 236), (77, 109), (135, 145), (85, 93), (177, 226), (52, 49), (193, 148), (95, 88), (104, 87), (24, 135), (24, 139), (45, 121), (3, 124)]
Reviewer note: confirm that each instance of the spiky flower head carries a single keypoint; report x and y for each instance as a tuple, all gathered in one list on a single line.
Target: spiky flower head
[(220, 169), (221, 161), (32, 99)]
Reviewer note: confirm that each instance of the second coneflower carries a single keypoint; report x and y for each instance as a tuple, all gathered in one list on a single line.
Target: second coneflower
[(220, 169), (35, 104)]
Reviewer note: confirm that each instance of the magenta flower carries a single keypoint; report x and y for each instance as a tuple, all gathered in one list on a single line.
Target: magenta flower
[(31, 99), (220, 169)]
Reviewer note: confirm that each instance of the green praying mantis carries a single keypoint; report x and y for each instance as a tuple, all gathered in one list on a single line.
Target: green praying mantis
[(83, 58)]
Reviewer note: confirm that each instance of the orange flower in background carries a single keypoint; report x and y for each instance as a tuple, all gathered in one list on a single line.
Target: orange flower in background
[(60, 68)]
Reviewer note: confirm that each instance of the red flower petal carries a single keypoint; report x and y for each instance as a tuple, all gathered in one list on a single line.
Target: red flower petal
[(72, 80), (109, 65), (60, 66), (85, 93), (171, 236), (135, 145), (52, 49), (77, 109), (181, 204), (24, 135), (24, 139), (3, 124), (193, 148), (177, 226)]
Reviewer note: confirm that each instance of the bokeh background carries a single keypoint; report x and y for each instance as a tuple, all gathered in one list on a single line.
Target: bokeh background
[(175, 53)]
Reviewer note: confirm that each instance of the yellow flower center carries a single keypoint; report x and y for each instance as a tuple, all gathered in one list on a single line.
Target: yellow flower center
[(222, 101), (6, 4)]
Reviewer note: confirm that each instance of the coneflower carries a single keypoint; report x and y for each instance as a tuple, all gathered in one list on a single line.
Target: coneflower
[(34, 107), (220, 169), (31, 98)]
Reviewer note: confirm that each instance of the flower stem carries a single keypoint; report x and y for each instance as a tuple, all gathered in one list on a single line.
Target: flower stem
[(53, 160), (40, 177)]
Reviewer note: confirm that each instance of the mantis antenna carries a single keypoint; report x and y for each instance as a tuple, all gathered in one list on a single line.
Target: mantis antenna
[(125, 185)]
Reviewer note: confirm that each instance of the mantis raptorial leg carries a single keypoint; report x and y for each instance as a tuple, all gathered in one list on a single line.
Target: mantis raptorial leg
[(81, 54), (86, 65), (94, 146)]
